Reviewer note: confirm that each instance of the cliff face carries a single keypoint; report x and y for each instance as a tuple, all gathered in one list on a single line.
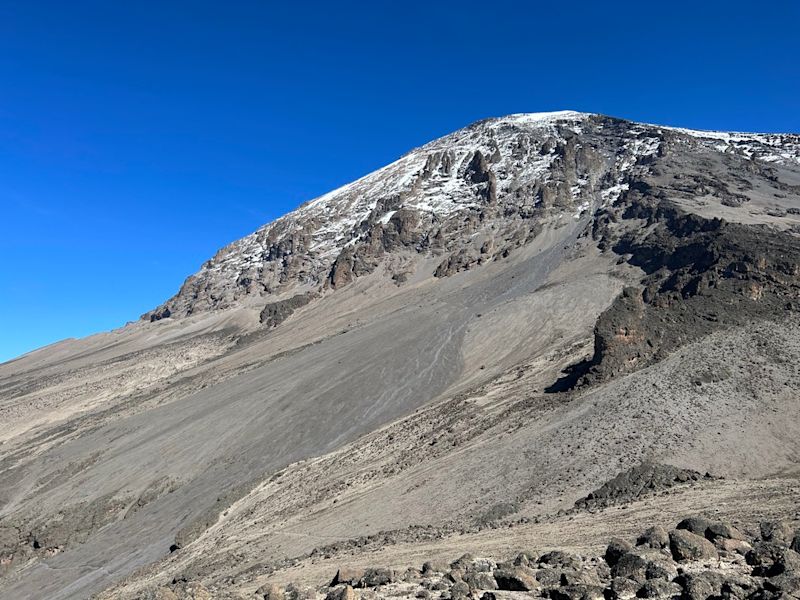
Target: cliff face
[(465, 199), (469, 198)]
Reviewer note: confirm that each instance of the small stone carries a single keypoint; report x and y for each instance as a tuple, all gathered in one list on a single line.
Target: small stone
[(463, 562), (524, 559), (294, 592), (164, 593), (460, 590), (603, 571), (738, 588)]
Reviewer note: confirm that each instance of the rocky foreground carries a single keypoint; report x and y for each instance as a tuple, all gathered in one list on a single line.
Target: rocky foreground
[(698, 560)]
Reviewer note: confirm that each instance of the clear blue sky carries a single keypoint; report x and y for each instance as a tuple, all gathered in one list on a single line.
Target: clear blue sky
[(136, 138)]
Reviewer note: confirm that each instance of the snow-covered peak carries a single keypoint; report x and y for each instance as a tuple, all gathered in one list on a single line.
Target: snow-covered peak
[(783, 148), (505, 174), (540, 118)]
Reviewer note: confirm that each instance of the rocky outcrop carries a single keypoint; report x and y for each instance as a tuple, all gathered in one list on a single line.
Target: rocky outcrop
[(637, 482), (700, 275), (498, 181), (693, 568), (275, 313)]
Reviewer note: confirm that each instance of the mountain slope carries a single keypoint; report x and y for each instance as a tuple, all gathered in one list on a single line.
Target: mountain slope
[(488, 328)]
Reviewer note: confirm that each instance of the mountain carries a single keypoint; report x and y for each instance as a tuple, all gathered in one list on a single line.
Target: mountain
[(463, 350)]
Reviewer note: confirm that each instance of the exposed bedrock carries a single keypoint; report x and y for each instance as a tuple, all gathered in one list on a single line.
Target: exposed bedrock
[(700, 275)]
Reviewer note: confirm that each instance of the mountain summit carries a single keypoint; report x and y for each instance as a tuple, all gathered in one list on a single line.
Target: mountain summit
[(504, 339), (468, 198)]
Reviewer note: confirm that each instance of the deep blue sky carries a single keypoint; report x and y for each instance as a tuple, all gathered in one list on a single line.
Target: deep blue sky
[(136, 138)]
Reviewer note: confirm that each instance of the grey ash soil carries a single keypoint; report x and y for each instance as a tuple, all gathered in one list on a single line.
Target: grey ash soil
[(378, 379)]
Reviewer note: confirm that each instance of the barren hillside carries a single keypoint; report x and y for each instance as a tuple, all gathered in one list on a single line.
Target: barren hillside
[(443, 356)]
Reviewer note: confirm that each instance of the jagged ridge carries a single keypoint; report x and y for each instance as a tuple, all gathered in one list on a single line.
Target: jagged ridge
[(468, 197)]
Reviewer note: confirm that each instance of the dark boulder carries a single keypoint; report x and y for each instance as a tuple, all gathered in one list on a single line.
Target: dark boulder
[(661, 567), (659, 588), (549, 577), (631, 566), (616, 548), (576, 592), (779, 532), (430, 567), (579, 577), (700, 586), (480, 580), (376, 576), (769, 559), (556, 558), (516, 579), (347, 575), (786, 583), (654, 537), (696, 524), (460, 591), (621, 588), (686, 545), (340, 592), (717, 530), (270, 591)]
